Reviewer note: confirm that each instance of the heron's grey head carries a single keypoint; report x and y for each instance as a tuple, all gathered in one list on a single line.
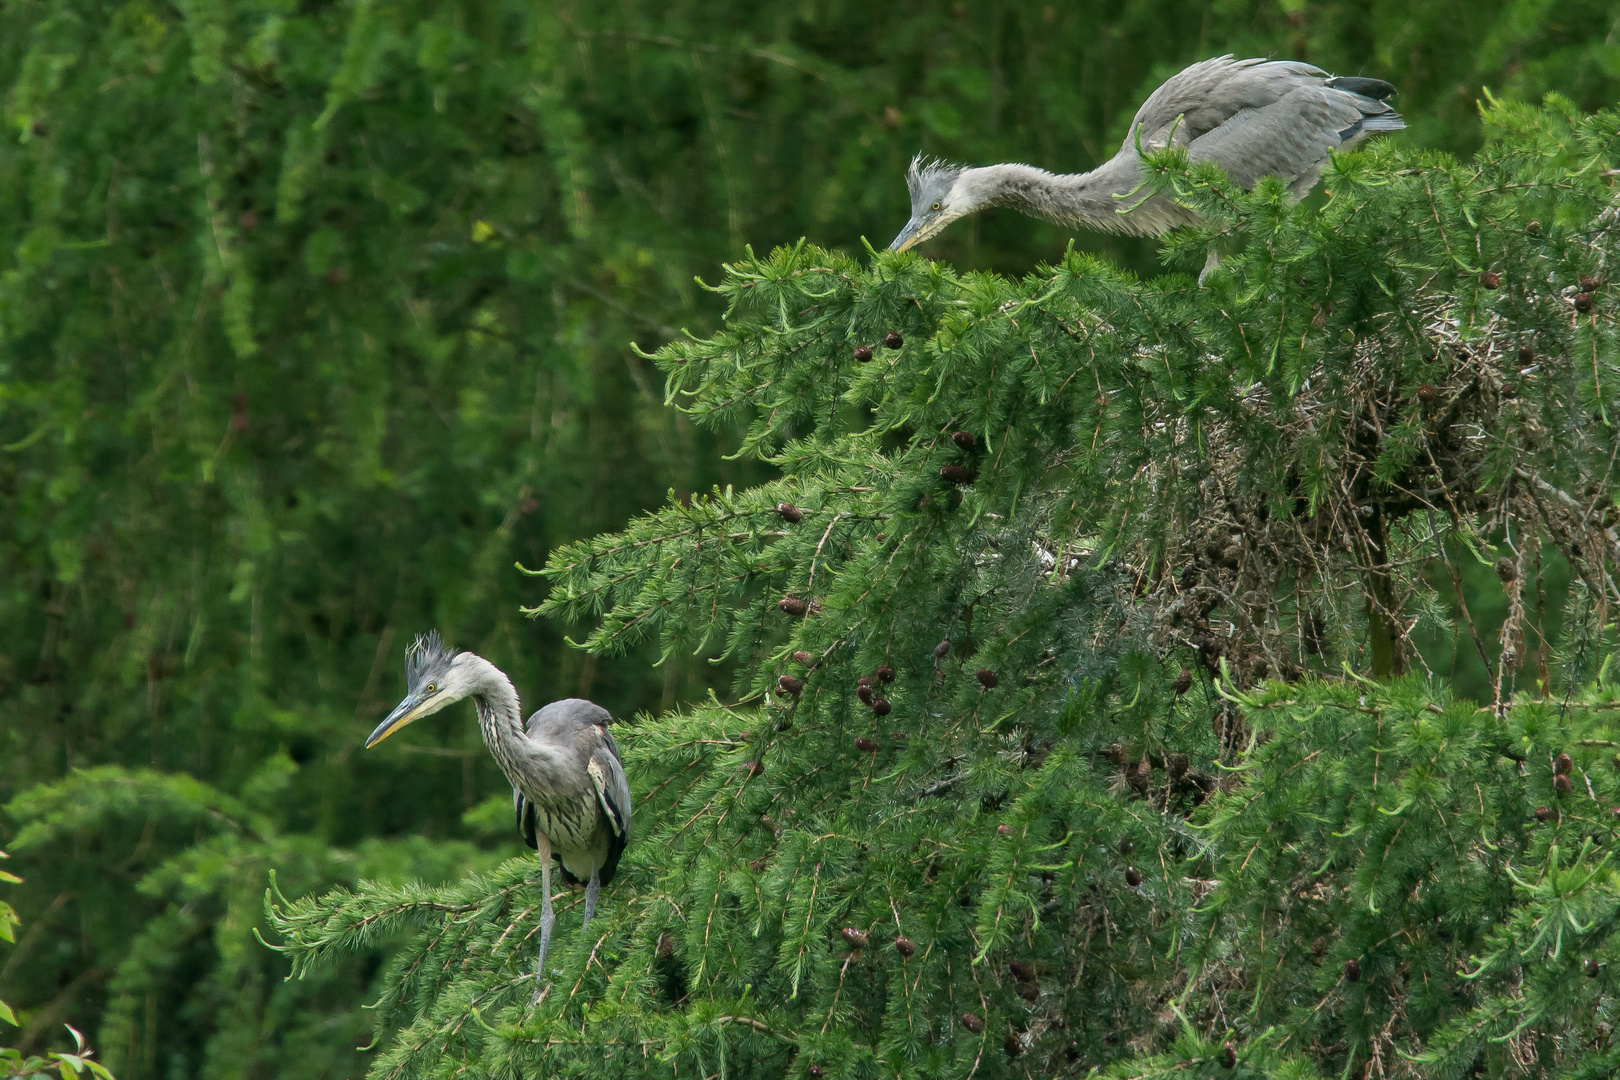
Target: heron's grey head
[(435, 676), (936, 201)]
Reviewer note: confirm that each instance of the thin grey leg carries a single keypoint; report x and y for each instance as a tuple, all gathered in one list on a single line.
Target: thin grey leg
[(1212, 259), (547, 916), (591, 892)]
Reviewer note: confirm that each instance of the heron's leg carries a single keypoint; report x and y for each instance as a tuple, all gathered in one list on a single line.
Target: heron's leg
[(591, 892), (547, 916)]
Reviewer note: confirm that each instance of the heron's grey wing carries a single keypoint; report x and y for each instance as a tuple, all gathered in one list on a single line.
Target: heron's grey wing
[(1292, 136), (613, 792), (1259, 118), (1206, 95)]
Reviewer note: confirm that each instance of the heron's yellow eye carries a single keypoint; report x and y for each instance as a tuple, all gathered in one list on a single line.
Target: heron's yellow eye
[(430, 688), (934, 207)]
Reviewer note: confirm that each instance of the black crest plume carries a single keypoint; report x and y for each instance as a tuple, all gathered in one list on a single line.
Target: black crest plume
[(426, 658), (930, 176)]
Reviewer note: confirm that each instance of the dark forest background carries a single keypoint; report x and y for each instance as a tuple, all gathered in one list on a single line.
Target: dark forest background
[(316, 320)]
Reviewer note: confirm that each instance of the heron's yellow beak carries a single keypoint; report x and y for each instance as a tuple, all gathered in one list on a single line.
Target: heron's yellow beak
[(915, 232), (406, 711)]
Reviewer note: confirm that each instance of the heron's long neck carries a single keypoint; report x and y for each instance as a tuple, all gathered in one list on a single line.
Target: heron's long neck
[(1087, 199), (528, 764), (500, 715)]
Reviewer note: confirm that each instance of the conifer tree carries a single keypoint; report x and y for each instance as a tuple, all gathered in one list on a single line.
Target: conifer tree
[(1080, 719), (313, 318), (14, 1064)]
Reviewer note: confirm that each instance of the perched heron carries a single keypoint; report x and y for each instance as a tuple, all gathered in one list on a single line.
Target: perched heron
[(568, 787), (1253, 118)]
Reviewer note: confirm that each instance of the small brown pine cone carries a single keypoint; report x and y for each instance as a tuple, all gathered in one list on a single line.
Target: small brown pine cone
[(1176, 765), (1546, 813), (898, 736), (757, 865), (1563, 764), (944, 647), (1561, 784), (865, 693), (1183, 681), (1352, 970), (802, 657), (863, 353), (881, 706), (1590, 284), (1532, 228), (752, 768), (1526, 354), (1126, 846), (666, 946), (987, 678), (893, 340), (1139, 775), (1030, 992), (904, 946), (964, 439), (1228, 1056), (789, 513), (1004, 830), (1490, 279), (1133, 877), (813, 1072), (1506, 570), (1425, 393), (1583, 302), (787, 684), (973, 1022), (856, 939), (885, 674), (792, 605), (1592, 967), (956, 474), (1022, 971), (1012, 1044), (865, 744)]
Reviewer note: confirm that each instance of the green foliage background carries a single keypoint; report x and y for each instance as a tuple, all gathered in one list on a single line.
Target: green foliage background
[(315, 319)]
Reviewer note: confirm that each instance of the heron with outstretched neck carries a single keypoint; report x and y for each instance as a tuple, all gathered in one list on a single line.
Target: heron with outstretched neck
[(1253, 118), (568, 787)]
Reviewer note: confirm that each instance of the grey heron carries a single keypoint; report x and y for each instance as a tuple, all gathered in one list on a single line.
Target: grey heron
[(568, 787), (1254, 118)]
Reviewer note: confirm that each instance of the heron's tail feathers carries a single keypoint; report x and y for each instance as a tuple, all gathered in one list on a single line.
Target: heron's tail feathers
[(1390, 121), (1384, 121)]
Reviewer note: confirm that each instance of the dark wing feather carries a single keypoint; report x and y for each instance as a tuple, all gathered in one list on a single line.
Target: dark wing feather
[(525, 818), (613, 792)]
